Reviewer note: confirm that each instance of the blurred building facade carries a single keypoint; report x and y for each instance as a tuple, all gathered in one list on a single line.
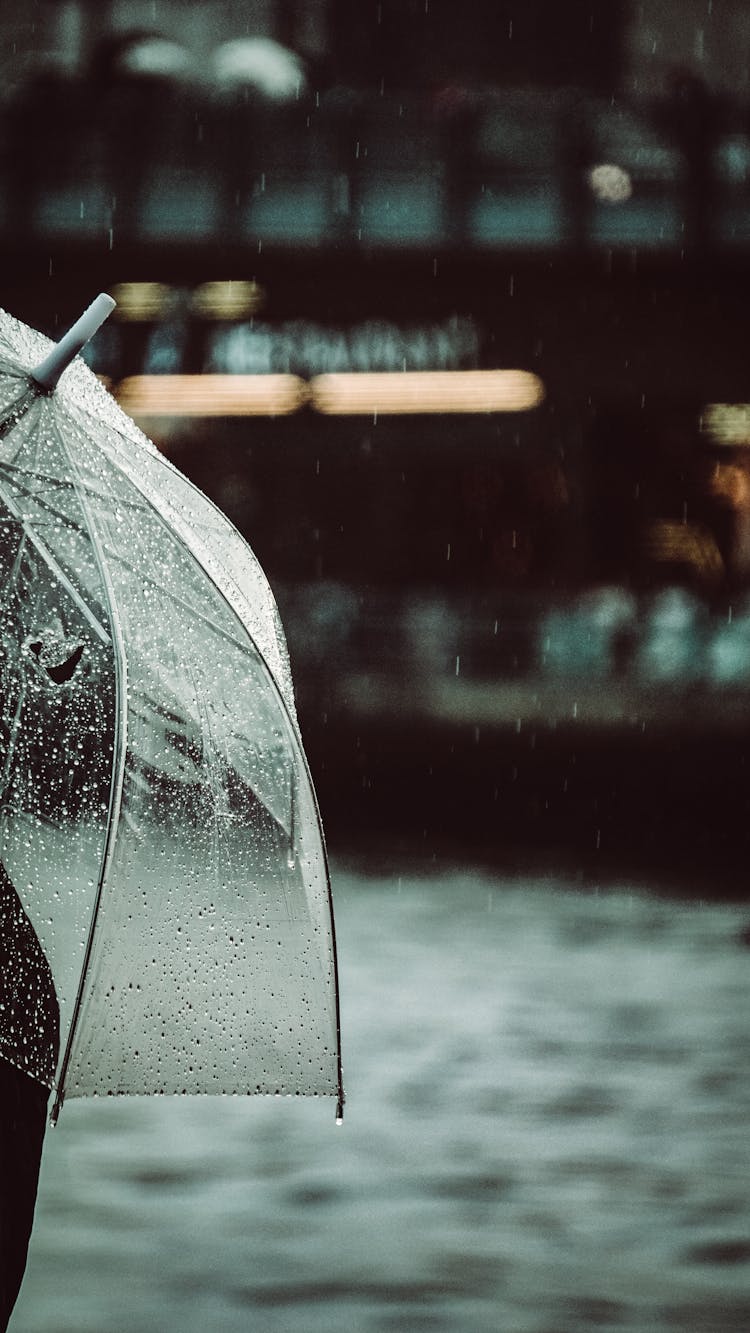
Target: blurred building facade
[(296, 202), (629, 45)]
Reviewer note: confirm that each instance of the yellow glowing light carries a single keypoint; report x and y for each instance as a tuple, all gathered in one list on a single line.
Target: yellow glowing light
[(142, 300), (212, 395), (227, 300), (727, 423), (426, 392)]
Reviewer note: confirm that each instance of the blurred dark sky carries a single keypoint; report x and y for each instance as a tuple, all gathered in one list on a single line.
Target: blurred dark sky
[(493, 41)]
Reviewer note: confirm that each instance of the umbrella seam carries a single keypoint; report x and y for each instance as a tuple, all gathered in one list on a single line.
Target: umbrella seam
[(117, 780), (53, 564)]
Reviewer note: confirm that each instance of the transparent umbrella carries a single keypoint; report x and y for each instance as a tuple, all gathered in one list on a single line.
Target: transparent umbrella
[(157, 818)]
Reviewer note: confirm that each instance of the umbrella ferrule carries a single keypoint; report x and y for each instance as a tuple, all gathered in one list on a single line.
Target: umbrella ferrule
[(48, 372)]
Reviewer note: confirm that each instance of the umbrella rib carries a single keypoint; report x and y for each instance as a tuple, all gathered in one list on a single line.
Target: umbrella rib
[(193, 611), (62, 484), (54, 566), (117, 556), (40, 499), (12, 584), (117, 779), (14, 475), (19, 409), (169, 525), (38, 496)]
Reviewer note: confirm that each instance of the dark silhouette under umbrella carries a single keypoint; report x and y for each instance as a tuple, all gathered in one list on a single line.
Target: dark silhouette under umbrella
[(29, 1039), (29, 1021), (29, 1042)]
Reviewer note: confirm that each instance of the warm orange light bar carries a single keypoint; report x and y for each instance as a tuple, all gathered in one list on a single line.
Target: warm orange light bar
[(427, 391), (407, 392), (212, 395)]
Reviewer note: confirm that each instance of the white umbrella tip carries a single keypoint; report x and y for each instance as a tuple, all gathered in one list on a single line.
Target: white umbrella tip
[(104, 302), (48, 372)]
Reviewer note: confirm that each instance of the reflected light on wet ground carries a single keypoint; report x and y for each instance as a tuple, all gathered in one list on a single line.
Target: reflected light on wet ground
[(545, 1133)]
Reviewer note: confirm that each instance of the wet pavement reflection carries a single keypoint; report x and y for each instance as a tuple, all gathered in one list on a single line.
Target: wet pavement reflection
[(545, 1133)]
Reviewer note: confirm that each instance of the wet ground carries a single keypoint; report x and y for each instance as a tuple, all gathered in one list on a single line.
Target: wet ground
[(546, 1132)]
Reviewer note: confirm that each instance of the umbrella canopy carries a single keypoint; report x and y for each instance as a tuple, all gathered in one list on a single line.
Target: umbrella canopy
[(157, 817)]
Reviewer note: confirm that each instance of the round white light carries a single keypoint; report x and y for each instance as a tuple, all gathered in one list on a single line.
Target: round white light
[(610, 183)]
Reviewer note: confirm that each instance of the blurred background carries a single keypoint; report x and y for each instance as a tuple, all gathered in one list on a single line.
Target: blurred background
[(514, 577), (446, 307)]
